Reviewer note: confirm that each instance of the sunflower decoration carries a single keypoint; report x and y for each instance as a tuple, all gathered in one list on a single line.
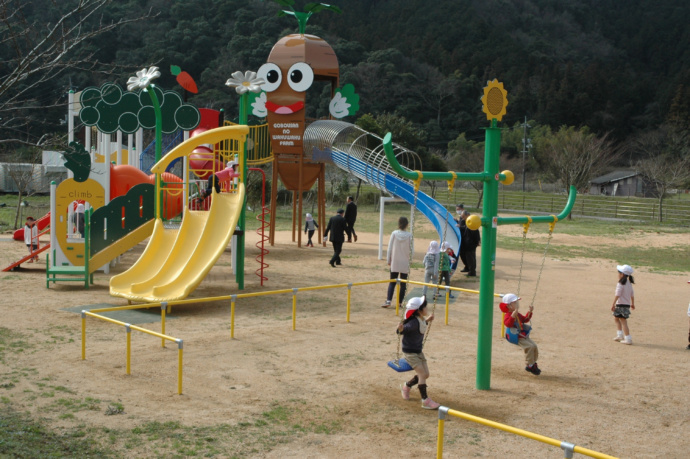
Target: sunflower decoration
[(494, 100)]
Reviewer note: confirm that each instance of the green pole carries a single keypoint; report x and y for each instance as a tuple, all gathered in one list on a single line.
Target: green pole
[(159, 142), (488, 257), (239, 275)]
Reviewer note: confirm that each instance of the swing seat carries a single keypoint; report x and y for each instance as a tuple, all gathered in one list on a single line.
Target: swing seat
[(400, 365), (513, 334)]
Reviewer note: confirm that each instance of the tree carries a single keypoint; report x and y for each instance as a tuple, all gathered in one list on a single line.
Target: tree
[(467, 156), (574, 156), (21, 168), (34, 53), (666, 161)]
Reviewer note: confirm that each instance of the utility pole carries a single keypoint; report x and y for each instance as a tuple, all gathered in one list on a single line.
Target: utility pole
[(526, 145)]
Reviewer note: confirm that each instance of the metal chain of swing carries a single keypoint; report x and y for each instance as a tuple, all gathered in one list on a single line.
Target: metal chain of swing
[(438, 278), (414, 208), (552, 225), (445, 232)]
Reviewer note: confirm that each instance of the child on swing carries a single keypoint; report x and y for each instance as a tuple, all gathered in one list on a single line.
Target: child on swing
[(413, 329), (513, 319)]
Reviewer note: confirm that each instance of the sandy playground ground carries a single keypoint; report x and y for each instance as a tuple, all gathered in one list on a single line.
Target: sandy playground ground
[(326, 386)]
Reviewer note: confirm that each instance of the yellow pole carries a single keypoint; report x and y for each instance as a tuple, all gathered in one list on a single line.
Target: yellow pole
[(179, 366), (397, 295), (349, 298), (163, 307), (447, 303), (503, 325), (129, 347), (439, 441), (294, 309), (232, 316), (441, 425), (83, 335)]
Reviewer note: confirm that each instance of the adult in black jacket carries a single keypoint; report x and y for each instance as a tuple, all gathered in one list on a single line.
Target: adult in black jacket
[(470, 241), (351, 218), (337, 226)]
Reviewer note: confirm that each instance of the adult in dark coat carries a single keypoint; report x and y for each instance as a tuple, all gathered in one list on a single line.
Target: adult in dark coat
[(459, 209), (337, 226), (470, 241), (351, 218)]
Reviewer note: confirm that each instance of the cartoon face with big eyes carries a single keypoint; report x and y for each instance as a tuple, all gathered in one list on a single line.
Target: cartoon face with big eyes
[(295, 62)]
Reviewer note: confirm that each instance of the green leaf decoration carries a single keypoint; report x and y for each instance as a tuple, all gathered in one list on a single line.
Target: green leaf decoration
[(316, 7), (348, 92), (175, 69), (78, 160)]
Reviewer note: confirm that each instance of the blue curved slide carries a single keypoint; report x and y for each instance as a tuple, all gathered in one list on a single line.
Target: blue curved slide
[(437, 214)]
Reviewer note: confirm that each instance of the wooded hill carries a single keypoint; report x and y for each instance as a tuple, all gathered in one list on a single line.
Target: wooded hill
[(618, 67)]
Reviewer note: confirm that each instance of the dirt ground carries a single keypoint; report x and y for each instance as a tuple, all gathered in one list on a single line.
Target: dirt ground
[(330, 377)]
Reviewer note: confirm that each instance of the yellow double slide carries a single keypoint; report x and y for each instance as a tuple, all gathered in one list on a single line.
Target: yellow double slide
[(175, 261)]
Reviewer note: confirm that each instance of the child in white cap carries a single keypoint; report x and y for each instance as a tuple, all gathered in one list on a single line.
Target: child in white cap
[(413, 329), (623, 302), (513, 319), (309, 228), (431, 260)]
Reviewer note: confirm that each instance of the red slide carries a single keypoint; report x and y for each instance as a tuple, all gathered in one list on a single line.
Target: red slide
[(41, 222)]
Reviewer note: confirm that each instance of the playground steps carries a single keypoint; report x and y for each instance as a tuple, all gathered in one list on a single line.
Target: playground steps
[(77, 273), (26, 258)]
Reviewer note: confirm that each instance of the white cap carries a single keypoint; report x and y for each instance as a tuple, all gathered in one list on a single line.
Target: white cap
[(510, 298), (625, 269), (445, 245), (413, 305)]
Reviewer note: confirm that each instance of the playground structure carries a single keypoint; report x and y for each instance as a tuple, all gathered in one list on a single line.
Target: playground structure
[(194, 248)]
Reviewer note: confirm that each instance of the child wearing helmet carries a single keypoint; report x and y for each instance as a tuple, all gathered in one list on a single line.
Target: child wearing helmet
[(514, 320), (413, 328)]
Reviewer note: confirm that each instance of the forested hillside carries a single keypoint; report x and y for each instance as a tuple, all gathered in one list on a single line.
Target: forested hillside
[(616, 67)]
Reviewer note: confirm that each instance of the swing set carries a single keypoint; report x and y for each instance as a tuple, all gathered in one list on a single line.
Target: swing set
[(494, 103), (512, 334)]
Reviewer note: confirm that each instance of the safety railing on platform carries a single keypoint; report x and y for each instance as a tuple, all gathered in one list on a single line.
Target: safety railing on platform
[(258, 145), (568, 448), (166, 306)]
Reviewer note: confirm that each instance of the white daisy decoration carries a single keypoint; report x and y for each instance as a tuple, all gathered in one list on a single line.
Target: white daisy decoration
[(247, 82), (143, 79)]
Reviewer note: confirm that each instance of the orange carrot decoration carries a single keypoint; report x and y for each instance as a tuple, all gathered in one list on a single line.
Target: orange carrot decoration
[(184, 79)]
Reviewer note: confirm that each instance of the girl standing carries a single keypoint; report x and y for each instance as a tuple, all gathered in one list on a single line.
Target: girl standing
[(413, 329), (399, 251), (623, 303)]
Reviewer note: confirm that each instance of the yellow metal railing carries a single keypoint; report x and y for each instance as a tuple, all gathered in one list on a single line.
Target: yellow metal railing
[(129, 328), (166, 306), (568, 448), (258, 145)]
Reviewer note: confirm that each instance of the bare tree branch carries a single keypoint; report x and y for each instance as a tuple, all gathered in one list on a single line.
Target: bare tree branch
[(35, 53)]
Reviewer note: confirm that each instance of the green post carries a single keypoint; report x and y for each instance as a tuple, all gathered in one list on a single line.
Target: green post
[(159, 141), (488, 257), (239, 275)]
